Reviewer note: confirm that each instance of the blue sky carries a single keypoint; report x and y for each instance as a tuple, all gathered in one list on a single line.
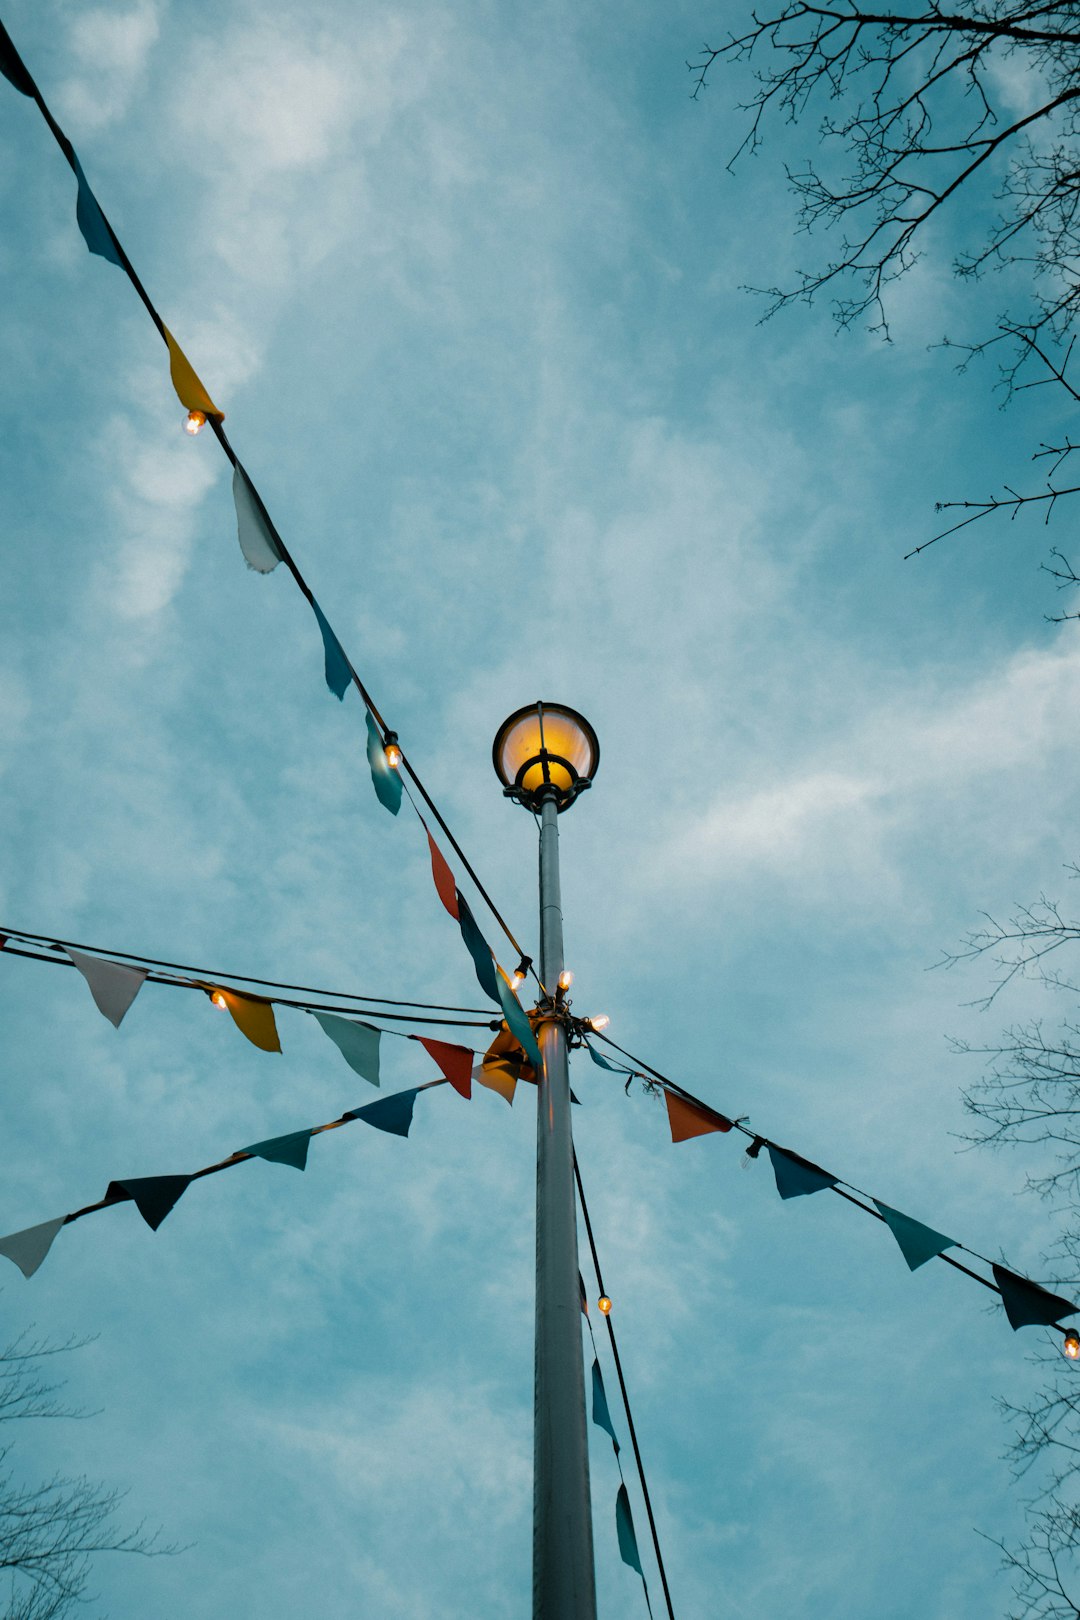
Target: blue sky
[(466, 281)]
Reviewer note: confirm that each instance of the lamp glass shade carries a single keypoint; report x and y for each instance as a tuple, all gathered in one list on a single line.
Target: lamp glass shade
[(543, 747)]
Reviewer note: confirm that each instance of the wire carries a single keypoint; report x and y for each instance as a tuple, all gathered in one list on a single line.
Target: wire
[(625, 1397), (212, 973), (764, 1141)]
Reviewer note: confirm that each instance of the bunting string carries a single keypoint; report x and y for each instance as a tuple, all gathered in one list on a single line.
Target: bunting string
[(260, 541), (1026, 1303), (598, 1385), (155, 1196)]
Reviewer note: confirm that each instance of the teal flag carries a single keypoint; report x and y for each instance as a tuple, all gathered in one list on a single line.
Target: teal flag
[(601, 1416), (517, 1023), (153, 1196), (357, 1043), (393, 1114), (29, 1247), (96, 230), (479, 949), (603, 1061), (291, 1149), (14, 71), (257, 536), (918, 1243), (1028, 1305), (624, 1529), (338, 673), (386, 781), (796, 1176)]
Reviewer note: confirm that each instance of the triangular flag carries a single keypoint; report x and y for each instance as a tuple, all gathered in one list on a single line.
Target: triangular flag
[(517, 1023), (624, 1529), (189, 390), (498, 1076), (393, 1114), (687, 1120), (918, 1243), (444, 878), (153, 1196), (479, 949), (29, 1247), (253, 1017), (335, 664), (455, 1062), (292, 1149), (358, 1043), (385, 779), (1028, 1305), (112, 985), (601, 1416), (12, 66), (796, 1176), (96, 230), (257, 536), (603, 1061)]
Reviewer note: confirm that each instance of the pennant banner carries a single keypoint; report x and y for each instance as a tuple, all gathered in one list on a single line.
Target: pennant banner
[(393, 1114), (189, 390), (1028, 1305), (455, 1062), (603, 1062), (497, 1076), (29, 1247), (113, 986), (601, 1414), (917, 1243), (795, 1177), (386, 781), (153, 1196), (253, 1017), (687, 1120), (357, 1043), (624, 1529), (11, 66), (444, 878), (517, 1022), (291, 1149), (335, 664), (96, 231), (257, 536), (479, 949)]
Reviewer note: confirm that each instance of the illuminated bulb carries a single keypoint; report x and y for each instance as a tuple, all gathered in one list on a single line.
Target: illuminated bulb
[(516, 979), (195, 422), (600, 1022), (603, 1304), (391, 750), (218, 999), (566, 979), (1072, 1344)]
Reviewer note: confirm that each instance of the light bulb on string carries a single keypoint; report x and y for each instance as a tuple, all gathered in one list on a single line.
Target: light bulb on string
[(601, 1021), (218, 999), (392, 750), (516, 979), (194, 422), (603, 1305), (1071, 1347), (566, 979)]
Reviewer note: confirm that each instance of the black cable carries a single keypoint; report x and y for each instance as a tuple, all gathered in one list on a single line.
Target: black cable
[(210, 973), (625, 1397)]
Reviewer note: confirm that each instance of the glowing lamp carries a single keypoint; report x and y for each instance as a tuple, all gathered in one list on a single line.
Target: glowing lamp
[(218, 999), (603, 1305), (566, 979), (601, 1021), (392, 751), (545, 752), (516, 979), (194, 422), (1071, 1346)]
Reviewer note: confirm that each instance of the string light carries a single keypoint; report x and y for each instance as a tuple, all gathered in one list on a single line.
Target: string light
[(1071, 1346), (218, 999), (603, 1305), (194, 422), (566, 979), (392, 751), (601, 1021), (521, 972)]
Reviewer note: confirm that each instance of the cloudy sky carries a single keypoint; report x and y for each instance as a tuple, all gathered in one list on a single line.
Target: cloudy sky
[(466, 282)]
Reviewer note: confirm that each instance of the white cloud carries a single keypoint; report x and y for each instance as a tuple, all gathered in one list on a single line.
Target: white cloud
[(111, 47)]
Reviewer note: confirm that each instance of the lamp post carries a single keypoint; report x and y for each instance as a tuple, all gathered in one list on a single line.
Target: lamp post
[(545, 756)]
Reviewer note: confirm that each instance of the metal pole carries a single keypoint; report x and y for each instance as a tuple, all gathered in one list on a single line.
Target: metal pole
[(564, 1581)]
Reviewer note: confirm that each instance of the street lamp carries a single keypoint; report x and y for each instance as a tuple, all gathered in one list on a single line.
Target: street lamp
[(545, 756)]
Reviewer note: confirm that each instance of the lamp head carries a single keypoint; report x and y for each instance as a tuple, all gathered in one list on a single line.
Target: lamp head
[(545, 751)]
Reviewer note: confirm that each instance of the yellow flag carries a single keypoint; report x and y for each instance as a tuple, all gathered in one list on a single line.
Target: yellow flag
[(497, 1076), (189, 390), (252, 1016)]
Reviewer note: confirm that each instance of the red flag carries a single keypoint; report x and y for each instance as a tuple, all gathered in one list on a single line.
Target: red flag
[(687, 1121), (444, 878), (456, 1062)]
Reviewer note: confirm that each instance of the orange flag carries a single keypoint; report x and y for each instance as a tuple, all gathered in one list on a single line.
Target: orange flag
[(686, 1120), (444, 878), (455, 1062), (252, 1016)]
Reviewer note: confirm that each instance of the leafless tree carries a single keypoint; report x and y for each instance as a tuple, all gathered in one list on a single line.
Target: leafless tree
[(916, 109), (51, 1530)]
